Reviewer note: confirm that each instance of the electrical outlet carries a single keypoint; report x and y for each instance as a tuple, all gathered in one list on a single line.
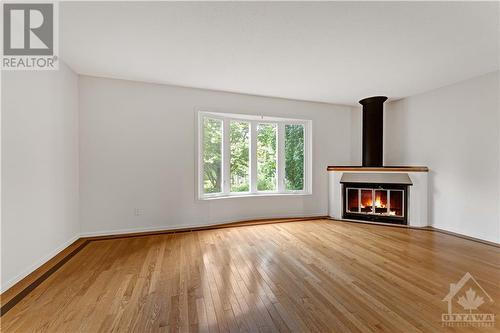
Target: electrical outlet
[(138, 211)]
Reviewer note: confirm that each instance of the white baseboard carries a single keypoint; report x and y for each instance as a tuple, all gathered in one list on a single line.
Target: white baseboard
[(453, 232), (135, 230), (183, 226), (37, 264)]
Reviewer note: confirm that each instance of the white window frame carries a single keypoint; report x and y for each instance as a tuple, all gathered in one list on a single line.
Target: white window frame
[(254, 120)]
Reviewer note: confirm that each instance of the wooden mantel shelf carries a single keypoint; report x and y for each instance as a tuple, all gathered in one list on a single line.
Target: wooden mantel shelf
[(379, 169)]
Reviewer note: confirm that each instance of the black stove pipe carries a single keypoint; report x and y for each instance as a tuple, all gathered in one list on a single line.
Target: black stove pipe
[(373, 130)]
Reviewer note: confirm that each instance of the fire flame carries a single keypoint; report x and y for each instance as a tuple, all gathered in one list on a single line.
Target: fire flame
[(379, 204), (368, 202)]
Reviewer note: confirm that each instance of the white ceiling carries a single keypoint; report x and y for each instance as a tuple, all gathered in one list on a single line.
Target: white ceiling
[(337, 52)]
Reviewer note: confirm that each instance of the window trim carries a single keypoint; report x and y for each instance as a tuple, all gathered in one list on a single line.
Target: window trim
[(253, 121)]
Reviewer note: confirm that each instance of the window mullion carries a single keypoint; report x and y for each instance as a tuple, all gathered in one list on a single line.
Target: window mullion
[(280, 161), (253, 157), (226, 155)]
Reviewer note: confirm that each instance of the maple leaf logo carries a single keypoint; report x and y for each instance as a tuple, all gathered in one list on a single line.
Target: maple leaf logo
[(471, 301)]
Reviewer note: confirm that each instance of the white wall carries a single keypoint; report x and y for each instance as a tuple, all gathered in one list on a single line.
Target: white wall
[(39, 168), (137, 150), (356, 135), (455, 132)]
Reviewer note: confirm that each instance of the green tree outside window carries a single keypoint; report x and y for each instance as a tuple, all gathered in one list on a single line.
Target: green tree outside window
[(239, 138), (294, 157), (266, 157), (212, 155)]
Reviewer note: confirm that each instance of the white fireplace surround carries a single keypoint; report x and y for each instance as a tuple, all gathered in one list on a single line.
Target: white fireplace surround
[(417, 194)]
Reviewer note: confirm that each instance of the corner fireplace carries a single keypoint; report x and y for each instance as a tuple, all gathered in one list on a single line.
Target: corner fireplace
[(374, 192), (375, 197)]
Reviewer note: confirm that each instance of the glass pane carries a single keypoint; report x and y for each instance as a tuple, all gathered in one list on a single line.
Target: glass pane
[(212, 155), (294, 157), (239, 139), (266, 157), (396, 203), (366, 201), (381, 201), (352, 200)]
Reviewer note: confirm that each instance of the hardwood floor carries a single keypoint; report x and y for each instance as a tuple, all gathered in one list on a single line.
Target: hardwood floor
[(322, 276)]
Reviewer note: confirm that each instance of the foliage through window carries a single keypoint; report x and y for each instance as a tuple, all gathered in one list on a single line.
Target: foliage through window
[(212, 155), (294, 157), (239, 135), (266, 157), (250, 155)]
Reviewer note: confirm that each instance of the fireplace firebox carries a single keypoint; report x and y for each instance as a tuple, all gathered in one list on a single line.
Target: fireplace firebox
[(376, 197)]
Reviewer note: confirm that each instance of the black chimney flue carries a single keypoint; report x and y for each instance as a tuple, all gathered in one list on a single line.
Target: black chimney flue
[(373, 130)]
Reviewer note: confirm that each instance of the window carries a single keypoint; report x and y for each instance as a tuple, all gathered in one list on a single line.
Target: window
[(243, 155)]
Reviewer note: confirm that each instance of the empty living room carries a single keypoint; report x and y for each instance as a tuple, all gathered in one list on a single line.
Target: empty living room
[(253, 166)]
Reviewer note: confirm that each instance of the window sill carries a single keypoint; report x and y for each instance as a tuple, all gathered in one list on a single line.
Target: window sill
[(254, 195)]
